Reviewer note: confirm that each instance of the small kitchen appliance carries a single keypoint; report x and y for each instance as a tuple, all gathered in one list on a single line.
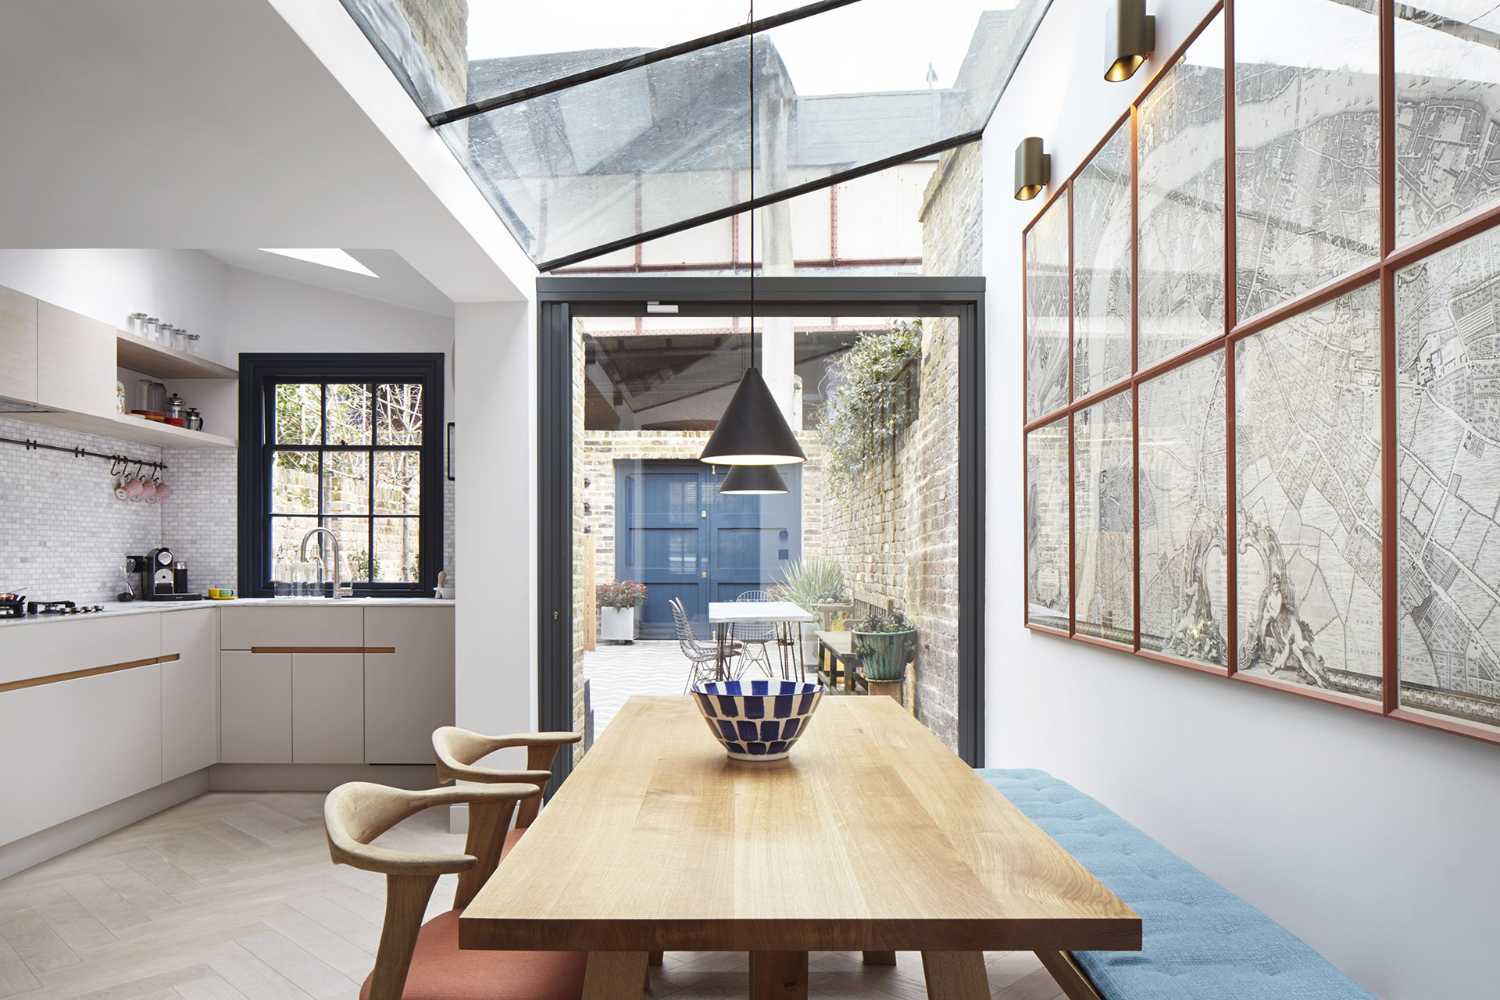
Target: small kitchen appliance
[(166, 578), (62, 608)]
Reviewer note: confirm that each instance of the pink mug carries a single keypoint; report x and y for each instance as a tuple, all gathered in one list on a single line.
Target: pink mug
[(163, 491), (135, 489), (148, 491)]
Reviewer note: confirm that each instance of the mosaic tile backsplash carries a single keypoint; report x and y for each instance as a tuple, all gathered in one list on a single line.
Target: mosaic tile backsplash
[(64, 536)]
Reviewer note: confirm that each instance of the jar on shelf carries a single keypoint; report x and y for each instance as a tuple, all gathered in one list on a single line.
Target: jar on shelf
[(179, 339), (151, 329), (192, 342), (135, 324)]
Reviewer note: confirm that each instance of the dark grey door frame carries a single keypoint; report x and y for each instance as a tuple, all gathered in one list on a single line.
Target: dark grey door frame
[(560, 300)]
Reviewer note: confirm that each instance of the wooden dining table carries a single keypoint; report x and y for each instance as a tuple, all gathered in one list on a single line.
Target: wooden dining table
[(871, 836)]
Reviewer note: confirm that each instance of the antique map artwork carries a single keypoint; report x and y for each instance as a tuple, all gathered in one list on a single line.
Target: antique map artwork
[(1047, 311), (1308, 468), (1448, 480), (1104, 512), (1184, 561), (1047, 581), (1101, 267)]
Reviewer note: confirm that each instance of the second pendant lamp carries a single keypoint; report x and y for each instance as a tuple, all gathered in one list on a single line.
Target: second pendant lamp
[(752, 429)]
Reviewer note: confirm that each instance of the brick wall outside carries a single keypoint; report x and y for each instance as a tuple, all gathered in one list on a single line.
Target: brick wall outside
[(441, 28)]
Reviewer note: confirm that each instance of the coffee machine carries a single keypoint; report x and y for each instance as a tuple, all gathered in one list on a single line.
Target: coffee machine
[(163, 576)]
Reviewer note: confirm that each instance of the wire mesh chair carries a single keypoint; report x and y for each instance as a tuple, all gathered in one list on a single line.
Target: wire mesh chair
[(757, 637), (702, 657)]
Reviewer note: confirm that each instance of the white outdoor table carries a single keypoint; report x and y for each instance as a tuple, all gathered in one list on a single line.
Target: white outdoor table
[(786, 616)]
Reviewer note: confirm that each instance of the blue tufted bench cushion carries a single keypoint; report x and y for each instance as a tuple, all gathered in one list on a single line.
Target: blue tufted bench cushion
[(1200, 942)]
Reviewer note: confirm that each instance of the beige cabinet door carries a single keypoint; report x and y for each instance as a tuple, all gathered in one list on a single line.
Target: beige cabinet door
[(17, 345), (70, 747), (254, 626), (75, 361), (328, 708), (408, 693), (255, 708), (189, 691)]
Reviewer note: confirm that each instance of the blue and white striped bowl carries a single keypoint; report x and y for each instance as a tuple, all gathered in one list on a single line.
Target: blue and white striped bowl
[(757, 720)]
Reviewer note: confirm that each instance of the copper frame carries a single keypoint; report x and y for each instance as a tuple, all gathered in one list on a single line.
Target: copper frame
[(1383, 271)]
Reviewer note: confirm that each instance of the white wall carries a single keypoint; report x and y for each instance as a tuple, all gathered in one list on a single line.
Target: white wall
[(1373, 840)]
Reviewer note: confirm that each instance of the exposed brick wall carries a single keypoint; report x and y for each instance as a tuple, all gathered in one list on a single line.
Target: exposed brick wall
[(441, 28)]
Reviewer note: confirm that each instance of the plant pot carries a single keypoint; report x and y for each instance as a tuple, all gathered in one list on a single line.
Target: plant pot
[(883, 655), (617, 624)]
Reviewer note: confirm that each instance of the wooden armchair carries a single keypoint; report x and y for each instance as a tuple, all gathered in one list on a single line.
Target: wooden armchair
[(458, 749), (418, 961)]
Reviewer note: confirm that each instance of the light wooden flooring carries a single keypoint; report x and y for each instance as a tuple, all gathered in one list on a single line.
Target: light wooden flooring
[(233, 896)]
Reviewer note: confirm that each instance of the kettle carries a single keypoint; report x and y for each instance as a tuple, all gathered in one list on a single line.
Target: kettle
[(176, 407)]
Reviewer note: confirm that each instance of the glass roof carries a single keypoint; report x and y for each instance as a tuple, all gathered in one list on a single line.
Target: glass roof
[(640, 144)]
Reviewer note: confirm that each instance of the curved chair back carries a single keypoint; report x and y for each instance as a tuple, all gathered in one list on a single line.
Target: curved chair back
[(760, 631), (457, 751), (683, 627), (356, 813)]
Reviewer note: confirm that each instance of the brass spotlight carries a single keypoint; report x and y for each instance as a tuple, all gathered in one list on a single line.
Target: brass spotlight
[(1033, 168), (1130, 35)]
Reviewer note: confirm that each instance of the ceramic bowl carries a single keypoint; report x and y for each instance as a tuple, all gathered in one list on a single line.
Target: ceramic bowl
[(757, 720)]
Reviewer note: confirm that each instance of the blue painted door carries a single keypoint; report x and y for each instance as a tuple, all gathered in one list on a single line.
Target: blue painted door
[(678, 535)]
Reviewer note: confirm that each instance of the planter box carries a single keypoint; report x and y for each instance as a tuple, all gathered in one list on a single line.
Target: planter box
[(883, 655), (617, 624)]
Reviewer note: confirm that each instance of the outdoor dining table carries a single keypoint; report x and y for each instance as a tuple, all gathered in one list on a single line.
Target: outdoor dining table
[(784, 615), (871, 836)]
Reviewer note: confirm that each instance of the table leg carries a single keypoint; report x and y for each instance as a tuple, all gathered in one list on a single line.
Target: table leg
[(778, 975), (610, 975), (955, 975), (720, 664)]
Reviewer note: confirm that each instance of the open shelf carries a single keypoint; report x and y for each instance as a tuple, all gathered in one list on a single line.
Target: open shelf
[(129, 428), (163, 362)]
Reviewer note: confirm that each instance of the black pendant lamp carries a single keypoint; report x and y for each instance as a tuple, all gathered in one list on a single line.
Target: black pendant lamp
[(753, 481), (752, 430)]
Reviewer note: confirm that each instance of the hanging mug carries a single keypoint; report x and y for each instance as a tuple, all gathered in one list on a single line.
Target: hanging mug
[(136, 488), (163, 491)]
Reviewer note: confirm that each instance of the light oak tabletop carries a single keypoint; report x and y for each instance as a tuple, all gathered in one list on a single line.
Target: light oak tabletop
[(871, 836)]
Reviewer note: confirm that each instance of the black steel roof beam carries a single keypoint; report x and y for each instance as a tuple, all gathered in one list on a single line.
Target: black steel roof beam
[(633, 62)]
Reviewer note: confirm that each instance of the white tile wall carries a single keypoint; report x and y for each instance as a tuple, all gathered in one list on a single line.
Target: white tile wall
[(63, 535)]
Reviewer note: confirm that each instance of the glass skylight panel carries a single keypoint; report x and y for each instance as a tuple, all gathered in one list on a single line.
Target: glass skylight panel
[(608, 162)]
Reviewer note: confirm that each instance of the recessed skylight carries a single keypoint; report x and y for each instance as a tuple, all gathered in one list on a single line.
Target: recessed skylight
[(330, 257)]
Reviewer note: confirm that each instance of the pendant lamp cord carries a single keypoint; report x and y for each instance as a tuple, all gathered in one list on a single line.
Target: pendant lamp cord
[(752, 187)]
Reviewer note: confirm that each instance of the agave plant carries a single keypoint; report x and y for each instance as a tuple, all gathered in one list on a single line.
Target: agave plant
[(816, 581)]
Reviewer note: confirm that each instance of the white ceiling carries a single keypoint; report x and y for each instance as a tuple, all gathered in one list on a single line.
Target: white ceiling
[(232, 123), (396, 282)]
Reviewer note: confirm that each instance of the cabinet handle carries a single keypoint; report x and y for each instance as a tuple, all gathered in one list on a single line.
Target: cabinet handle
[(72, 675), (322, 649)]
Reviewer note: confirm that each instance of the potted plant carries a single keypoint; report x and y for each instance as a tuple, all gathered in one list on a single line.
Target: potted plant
[(884, 643), (617, 604), (815, 585)]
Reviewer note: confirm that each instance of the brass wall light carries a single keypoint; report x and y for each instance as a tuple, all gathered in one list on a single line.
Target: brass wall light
[(1129, 37), (1033, 168)]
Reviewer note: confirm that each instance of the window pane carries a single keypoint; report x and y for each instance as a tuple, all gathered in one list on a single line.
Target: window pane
[(1448, 482), (397, 549), (1181, 255), (1447, 112), (398, 482), (348, 414), (294, 482), (1307, 451), (286, 542), (299, 414), (1307, 131), (1047, 311), (1101, 267), (346, 482), (1104, 562), (1184, 564), (354, 546), (1047, 525), (398, 414)]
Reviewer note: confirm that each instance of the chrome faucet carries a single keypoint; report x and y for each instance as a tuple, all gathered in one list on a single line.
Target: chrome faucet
[(338, 589)]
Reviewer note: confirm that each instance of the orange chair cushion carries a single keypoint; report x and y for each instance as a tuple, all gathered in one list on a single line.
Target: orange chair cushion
[(440, 970), (511, 839)]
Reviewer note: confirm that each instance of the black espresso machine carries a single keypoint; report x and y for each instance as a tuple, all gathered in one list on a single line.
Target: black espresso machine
[(162, 576)]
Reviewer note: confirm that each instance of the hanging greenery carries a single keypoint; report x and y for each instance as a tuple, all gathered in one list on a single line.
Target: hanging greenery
[(868, 401)]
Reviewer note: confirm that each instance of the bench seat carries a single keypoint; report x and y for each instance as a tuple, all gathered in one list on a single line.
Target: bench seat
[(1200, 941)]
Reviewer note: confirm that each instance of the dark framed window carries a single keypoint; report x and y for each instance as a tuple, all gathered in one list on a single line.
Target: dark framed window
[(347, 442)]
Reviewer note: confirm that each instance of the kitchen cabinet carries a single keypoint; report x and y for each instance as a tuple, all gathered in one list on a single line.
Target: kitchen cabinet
[(83, 643), (70, 747), (189, 692), (75, 362), (408, 693), (255, 698), (17, 345), (328, 707), (326, 628)]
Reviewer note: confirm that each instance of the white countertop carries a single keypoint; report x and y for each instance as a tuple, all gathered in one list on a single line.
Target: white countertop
[(113, 609), (744, 612)]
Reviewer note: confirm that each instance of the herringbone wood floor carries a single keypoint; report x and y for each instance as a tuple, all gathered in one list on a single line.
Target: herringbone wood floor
[(233, 896)]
